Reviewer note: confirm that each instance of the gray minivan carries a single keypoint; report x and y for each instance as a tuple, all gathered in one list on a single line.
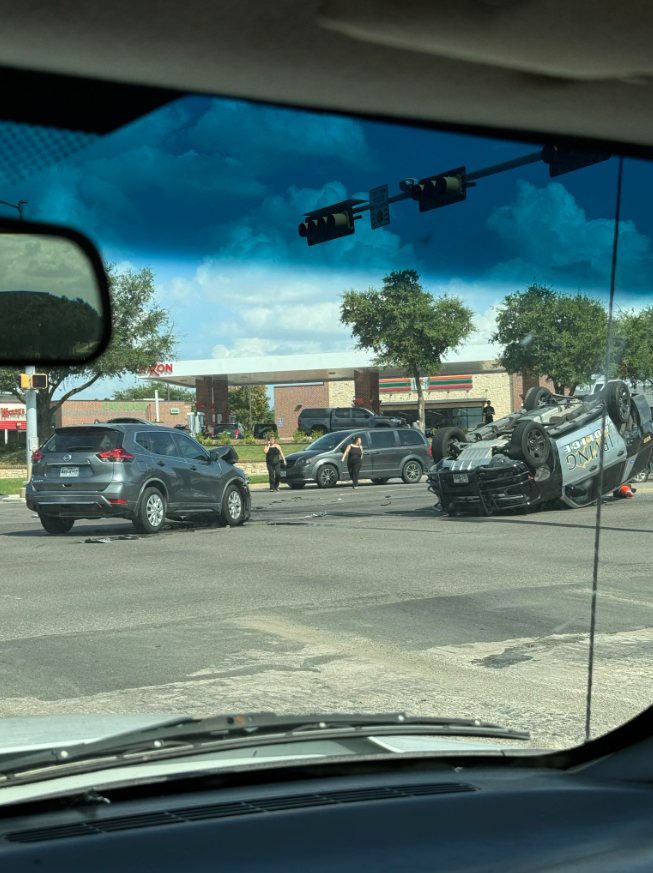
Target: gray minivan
[(388, 453)]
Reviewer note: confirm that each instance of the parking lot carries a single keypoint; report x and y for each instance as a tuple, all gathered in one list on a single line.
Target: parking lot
[(342, 600)]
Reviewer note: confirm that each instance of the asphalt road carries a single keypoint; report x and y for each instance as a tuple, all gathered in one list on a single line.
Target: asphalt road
[(334, 600)]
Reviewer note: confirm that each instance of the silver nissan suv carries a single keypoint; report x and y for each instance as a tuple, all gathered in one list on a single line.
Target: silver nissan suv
[(143, 472)]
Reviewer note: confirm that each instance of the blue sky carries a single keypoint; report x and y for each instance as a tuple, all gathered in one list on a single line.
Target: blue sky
[(209, 192)]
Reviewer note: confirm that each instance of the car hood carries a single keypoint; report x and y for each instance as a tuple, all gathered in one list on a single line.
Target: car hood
[(306, 453), (31, 733)]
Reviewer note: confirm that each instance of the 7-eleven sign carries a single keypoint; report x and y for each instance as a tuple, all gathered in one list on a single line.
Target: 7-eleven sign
[(424, 382)]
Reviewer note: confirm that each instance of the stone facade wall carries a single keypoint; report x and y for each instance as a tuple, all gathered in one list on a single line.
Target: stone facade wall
[(488, 385), (13, 472), (341, 393)]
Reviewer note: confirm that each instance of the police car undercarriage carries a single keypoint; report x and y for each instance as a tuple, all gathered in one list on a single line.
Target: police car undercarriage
[(545, 454)]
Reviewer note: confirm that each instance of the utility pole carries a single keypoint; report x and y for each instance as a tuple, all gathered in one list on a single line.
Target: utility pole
[(32, 436)]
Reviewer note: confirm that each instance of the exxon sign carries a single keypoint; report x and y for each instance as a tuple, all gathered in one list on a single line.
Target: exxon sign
[(157, 370)]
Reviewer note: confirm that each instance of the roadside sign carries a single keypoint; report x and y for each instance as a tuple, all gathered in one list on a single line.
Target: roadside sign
[(280, 422), (33, 443), (379, 208)]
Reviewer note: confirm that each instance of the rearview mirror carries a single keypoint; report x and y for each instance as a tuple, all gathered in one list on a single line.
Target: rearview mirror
[(54, 296)]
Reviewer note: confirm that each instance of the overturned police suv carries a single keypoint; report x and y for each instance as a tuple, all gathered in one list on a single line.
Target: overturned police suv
[(548, 452)]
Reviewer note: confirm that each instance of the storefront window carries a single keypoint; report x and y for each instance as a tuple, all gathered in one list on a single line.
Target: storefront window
[(467, 418)]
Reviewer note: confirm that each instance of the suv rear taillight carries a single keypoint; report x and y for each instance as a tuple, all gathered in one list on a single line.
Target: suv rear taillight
[(37, 456), (431, 451), (117, 456)]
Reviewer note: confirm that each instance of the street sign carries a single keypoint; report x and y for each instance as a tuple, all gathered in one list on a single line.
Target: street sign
[(33, 443), (379, 208)]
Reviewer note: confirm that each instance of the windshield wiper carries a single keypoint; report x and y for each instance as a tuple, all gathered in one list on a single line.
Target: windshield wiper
[(238, 731)]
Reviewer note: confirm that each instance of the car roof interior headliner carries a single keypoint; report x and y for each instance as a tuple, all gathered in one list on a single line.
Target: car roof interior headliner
[(349, 59)]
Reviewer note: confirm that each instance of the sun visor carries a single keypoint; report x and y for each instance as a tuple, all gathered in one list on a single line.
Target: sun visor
[(571, 39)]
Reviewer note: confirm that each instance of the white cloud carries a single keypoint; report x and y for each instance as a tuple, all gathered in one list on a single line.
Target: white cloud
[(180, 289), (259, 347), (266, 136), (269, 233), (553, 240)]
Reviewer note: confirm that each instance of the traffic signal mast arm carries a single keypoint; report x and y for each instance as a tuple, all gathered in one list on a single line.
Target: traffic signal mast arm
[(531, 158), (442, 189)]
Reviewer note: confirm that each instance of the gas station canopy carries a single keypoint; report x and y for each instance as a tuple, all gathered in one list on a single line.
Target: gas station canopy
[(290, 369)]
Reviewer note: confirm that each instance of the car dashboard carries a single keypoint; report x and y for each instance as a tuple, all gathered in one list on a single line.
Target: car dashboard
[(428, 815)]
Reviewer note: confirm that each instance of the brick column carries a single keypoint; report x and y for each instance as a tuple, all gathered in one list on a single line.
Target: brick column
[(523, 382), (366, 388), (221, 397), (212, 398)]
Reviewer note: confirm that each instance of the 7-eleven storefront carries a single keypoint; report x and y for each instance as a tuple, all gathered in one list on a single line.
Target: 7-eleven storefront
[(449, 400)]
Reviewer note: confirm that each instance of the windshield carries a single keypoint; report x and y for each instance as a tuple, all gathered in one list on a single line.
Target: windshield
[(326, 443), (266, 261)]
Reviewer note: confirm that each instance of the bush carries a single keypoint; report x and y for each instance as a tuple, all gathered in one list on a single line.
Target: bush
[(299, 436), (316, 434), (249, 439), (223, 439)]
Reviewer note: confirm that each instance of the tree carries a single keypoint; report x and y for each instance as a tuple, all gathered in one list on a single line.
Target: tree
[(633, 346), (239, 405), (548, 333), (142, 335), (166, 392), (406, 327)]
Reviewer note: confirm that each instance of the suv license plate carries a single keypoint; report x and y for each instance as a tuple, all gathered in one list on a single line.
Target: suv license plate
[(460, 478), (70, 472), (282, 473)]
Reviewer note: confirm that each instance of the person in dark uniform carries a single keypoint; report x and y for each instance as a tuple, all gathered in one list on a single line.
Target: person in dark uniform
[(488, 412), (273, 457), (354, 456)]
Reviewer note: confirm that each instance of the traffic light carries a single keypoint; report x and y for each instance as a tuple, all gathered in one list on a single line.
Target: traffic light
[(563, 161), (38, 380), (332, 222), (440, 190)]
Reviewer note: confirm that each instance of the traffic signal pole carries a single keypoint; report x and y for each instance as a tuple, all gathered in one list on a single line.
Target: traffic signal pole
[(432, 192), (531, 158), (32, 436)]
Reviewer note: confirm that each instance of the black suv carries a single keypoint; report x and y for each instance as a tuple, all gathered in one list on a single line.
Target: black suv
[(143, 472), (260, 430), (387, 453)]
